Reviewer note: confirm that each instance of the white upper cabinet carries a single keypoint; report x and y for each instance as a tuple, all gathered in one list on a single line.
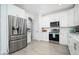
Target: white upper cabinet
[(67, 18), (76, 20), (70, 16), (63, 19)]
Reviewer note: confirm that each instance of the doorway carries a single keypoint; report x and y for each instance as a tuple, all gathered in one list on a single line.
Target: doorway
[(30, 29)]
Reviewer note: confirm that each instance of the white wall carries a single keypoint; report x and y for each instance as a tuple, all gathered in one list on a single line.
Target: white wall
[(0, 28), (15, 11), (35, 22), (36, 28), (4, 30)]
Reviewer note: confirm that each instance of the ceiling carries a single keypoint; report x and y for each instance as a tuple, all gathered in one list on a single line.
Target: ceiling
[(44, 9)]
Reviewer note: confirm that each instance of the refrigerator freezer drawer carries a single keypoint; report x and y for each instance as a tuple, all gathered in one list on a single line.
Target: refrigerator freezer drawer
[(13, 46), (19, 44), (24, 43)]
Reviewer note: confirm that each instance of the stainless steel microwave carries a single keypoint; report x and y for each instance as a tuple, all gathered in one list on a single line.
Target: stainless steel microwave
[(54, 24)]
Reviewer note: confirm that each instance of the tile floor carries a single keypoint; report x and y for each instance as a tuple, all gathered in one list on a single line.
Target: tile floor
[(43, 48)]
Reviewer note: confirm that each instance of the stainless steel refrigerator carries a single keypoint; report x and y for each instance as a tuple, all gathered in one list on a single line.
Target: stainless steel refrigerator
[(17, 33)]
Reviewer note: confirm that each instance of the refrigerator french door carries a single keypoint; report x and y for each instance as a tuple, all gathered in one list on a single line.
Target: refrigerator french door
[(17, 33)]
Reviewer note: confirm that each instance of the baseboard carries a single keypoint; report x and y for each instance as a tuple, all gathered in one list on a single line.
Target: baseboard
[(6, 53)]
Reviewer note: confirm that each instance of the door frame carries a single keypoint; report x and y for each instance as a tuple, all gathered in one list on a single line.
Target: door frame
[(31, 23)]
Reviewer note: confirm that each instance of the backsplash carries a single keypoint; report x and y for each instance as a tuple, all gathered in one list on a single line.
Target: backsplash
[(74, 29)]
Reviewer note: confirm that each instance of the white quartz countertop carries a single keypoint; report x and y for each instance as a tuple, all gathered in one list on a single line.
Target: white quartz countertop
[(75, 36)]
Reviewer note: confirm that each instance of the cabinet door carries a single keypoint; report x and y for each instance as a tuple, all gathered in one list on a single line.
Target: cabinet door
[(67, 18), (63, 19), (69, 39), (71, 45), (63, 36), (76, 15), (70, 15), (76, 47)]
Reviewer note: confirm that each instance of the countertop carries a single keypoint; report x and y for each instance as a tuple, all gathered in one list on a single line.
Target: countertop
[(75, 36), (53, 32)]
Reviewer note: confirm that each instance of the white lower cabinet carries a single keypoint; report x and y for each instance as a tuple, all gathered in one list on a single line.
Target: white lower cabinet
[(73, 45), (70, 45), (76, 47)]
